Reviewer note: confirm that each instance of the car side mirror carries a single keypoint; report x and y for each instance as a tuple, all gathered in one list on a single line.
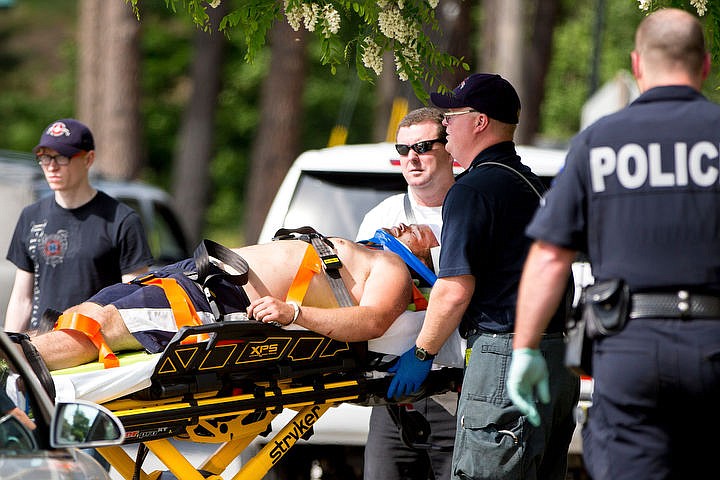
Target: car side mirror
[(84, 424)]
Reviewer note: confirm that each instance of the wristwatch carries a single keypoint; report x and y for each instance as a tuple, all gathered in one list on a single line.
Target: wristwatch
[(422, 354)]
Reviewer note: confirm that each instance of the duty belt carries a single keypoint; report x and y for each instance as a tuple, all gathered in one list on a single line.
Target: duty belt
[(680, 304)]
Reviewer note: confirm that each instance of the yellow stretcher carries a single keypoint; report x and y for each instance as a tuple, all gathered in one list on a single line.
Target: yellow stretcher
[(227, 390)]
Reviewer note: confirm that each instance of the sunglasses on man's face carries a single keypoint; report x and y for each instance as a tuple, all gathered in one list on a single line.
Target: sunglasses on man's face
[(419, 147)]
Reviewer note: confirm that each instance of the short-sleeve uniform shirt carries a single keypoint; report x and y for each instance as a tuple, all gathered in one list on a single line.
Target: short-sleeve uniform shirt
[(640, 193), (485, 214)]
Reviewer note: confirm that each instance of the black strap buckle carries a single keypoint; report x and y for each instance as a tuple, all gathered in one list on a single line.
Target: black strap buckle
[(326, 252), (306, 234)]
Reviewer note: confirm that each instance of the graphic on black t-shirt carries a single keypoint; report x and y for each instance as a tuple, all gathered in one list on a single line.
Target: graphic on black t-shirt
[(49, 249), (54, 247)]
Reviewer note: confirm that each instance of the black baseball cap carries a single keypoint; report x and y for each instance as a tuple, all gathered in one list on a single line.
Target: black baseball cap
[(487, 93), (67, 137)]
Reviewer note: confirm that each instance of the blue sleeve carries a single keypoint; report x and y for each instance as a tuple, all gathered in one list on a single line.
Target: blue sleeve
[(562, 219), (465, 232)]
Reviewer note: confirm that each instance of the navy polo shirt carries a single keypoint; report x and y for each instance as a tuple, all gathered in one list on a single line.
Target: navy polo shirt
[(640, 194), (485, 214)]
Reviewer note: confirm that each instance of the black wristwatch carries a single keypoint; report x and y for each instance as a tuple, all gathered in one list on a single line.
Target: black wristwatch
[(422, 354)]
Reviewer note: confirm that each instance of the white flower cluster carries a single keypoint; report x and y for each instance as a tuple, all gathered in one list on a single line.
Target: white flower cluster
[(411, 60), (401, 30), (644, 5), (294, 16), (393, 25), (372, 56), (310, 14), (700, 6), (331, 25)]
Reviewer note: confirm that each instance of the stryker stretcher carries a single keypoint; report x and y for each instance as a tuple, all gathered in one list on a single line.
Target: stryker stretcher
[(234, 377), (228, 389)]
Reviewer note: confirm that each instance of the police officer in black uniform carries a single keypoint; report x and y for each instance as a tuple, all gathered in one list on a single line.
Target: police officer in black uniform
[(640, 194), (483, 250)]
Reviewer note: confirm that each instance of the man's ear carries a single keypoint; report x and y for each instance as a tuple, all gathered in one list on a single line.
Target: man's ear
[(635, 63), (90, 158), (706, 66), (482, 121)]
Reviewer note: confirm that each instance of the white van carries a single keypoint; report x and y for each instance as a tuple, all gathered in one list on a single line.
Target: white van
[(331, 189)]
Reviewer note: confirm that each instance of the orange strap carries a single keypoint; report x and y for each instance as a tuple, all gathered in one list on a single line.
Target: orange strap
[(181, 306), (91, 328), (309, 266)]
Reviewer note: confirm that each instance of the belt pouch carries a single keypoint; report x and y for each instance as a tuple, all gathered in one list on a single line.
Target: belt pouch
[(606, 308)]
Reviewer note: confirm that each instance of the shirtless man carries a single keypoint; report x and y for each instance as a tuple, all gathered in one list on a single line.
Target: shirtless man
[(378, 282), (419, 239)]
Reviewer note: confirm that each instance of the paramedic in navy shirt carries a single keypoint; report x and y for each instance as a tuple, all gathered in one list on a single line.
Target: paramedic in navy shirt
[(483, 249), (639, 194)]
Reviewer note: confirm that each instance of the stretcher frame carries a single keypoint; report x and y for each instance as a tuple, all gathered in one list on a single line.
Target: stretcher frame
[(228, 389)]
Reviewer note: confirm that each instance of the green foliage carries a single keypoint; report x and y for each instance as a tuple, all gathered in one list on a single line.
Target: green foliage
[(569, 76), (36, 86), (350, 32), (254, 21), (166, 52), (568, 82)]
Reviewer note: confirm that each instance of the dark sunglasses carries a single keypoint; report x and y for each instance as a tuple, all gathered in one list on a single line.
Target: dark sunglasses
[(419, 147)]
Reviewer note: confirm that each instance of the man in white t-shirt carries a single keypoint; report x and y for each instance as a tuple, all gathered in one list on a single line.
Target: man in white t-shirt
[(428, 171)]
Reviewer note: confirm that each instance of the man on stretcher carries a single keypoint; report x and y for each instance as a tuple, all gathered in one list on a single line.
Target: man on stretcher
[(135, 316)]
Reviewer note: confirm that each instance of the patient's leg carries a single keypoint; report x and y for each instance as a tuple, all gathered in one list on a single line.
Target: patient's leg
[(68, 348)]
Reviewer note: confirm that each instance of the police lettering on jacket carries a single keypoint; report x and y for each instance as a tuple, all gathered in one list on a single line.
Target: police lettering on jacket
[(635, 165)]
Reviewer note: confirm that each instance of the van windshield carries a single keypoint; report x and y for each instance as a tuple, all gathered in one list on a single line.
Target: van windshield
[(334, 203)]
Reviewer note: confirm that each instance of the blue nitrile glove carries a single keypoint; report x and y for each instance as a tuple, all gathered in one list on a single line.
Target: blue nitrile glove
[(411, 373), (528, 375)]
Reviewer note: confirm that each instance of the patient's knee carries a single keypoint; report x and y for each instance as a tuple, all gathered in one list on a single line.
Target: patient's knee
[(116, 332), (112, 326), (89, 309)]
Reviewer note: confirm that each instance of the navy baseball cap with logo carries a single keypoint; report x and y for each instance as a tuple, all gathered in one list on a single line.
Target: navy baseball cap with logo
[(487, 93), (66, 136)]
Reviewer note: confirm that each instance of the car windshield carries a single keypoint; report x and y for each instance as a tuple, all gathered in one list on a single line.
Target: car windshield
[(335, 203)]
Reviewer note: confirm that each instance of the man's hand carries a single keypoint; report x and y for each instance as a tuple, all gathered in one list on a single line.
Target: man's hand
[(528, 375), (410, 374), (271, 310)]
